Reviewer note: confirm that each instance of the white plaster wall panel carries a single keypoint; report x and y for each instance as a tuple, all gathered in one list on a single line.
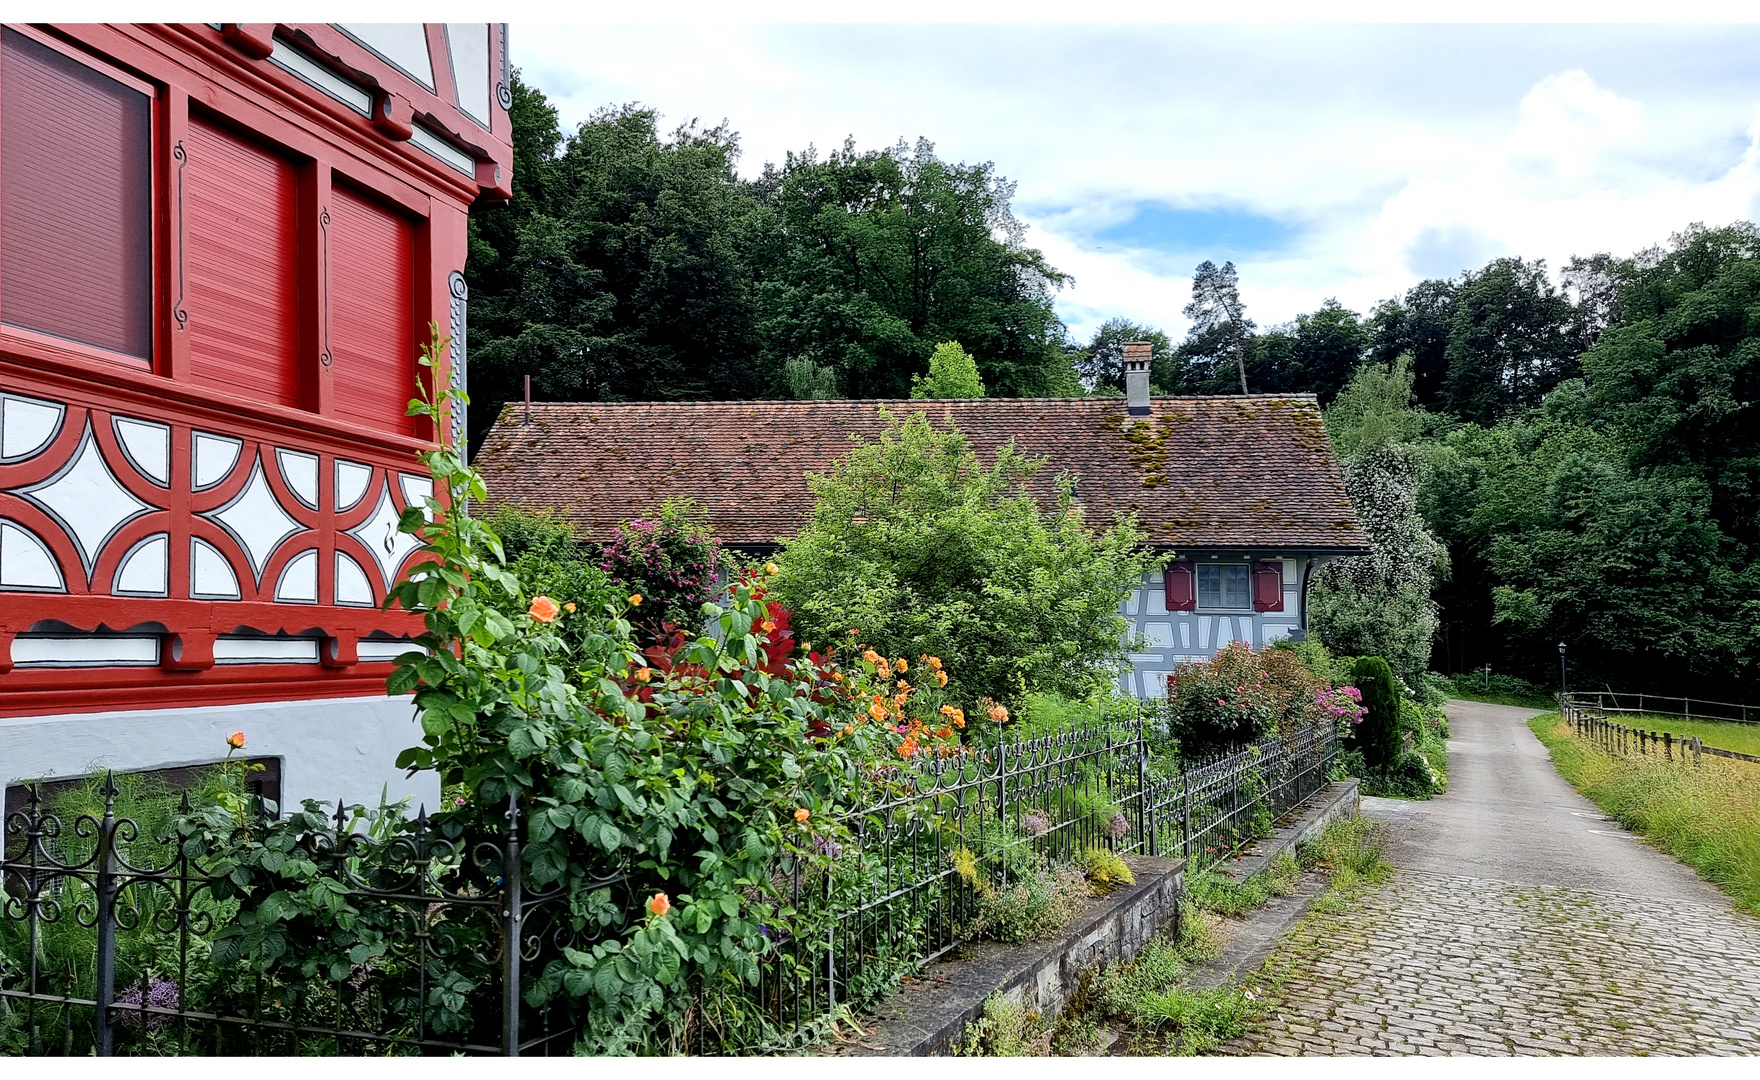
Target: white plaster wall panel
[(417, 490), (147, 446), (214, 456), (146, 568), (330, 748), (85, 499), (351, 484), (1155, 600), (84, 650), (377, 649), (1276, 632), (1204, 631), (256, 520), (380, 536), (1160, 634), (211, 575), (26, 562), (231, 649), (352, 587), (1185, 633), (27, 426), (299, 579), (299, 471)]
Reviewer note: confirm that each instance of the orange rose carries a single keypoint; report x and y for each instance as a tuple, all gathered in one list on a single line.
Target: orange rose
[(659, 905), (801, 816), (998, 713), (871, 657), (900, 666), (569, 607), (644, 674), (543, 609), (877, 711), (941, 677), (635, 599), (770, 569), (768, 625), (236, 740)]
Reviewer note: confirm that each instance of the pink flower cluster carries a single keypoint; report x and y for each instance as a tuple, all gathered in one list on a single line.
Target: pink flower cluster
[(1341, 703)]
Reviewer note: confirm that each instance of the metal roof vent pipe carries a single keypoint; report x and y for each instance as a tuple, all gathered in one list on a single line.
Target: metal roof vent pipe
[(1136, 377)]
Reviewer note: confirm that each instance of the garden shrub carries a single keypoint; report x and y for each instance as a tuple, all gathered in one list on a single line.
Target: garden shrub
[(1031, 907), (919, 547), (1106, 871), (1378, 735), (672, 562), (1238, 697)]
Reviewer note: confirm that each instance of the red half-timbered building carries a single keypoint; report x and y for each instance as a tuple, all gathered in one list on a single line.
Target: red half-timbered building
[(221, 246)]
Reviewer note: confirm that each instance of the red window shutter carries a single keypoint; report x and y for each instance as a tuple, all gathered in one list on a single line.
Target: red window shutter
[(372, 312), (1182, 593), (76, 174), (241, 237), (1268, 586)]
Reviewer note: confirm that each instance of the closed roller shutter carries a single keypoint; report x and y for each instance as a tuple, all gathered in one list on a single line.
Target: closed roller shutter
[(241, 252), (372, 312), (76, 218)]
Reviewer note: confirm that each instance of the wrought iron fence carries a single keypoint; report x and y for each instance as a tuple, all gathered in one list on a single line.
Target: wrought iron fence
[(898, 892), (101, 929), (105, 944)]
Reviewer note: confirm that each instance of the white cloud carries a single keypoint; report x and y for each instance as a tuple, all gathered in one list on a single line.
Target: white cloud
[(1392, 152)]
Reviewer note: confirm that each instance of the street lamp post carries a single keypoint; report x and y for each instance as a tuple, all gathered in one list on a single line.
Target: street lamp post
[(1563, 687)]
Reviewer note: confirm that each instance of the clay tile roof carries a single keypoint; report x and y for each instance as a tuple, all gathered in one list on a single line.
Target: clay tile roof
[(1249, 471)]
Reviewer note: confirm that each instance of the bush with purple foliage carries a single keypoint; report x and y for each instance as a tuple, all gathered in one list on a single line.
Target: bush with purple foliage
[(672, 561)]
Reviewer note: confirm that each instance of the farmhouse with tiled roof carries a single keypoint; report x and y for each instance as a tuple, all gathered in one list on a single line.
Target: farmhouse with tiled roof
[(1243, 491)]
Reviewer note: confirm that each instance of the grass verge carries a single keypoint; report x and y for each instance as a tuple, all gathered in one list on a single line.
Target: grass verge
[(1708, 817), (1147, 1004)]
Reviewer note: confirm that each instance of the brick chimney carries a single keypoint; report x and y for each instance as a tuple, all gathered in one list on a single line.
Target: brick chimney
[(1136, 377)]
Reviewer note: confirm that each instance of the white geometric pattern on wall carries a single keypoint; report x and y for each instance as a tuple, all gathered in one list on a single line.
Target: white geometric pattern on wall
[(145, 570), (255, 519), (86, 500), (210, 574), (27, 426), (299, 471), (352, 587), (299, 579), (215, 455), (147, 446), (351, 484), (26, 562), (380, 536)]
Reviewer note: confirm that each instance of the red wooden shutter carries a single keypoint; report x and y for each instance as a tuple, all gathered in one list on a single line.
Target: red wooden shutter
[(76, 174), (1181, 591), (241, 244), (1268, 586), (372, 312)]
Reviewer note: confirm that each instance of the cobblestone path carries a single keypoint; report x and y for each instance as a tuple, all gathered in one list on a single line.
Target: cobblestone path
[(1433, 964), (1520, 921)]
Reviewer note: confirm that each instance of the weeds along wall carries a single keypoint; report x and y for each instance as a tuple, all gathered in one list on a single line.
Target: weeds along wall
[(215, 932)]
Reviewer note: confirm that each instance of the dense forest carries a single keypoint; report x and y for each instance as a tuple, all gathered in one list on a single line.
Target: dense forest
[(1586, 453)]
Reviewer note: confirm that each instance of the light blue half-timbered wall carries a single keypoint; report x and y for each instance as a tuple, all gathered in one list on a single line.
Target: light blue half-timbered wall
[(1172, 638)]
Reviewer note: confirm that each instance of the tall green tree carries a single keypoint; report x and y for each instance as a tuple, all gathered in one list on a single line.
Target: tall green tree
[(1317, 353), (1509, 340), (1416, 325), (1220, 333), (865, 260), (1101, 361), (953, 373)]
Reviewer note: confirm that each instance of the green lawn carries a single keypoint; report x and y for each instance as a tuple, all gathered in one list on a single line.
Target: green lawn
[(1707, 816), (1742, 738)]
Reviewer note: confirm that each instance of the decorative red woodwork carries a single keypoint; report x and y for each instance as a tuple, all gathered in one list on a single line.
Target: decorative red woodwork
[(372, 309), (76, 168), (212, 517), (1181, 588), (241, 232), (1268, 586)]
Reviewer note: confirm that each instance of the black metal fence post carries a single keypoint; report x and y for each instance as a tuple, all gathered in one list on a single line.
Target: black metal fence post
[(106, 915), (510, 929)]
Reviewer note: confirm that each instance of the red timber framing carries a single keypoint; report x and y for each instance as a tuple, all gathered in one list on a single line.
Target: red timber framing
[(214, 523)]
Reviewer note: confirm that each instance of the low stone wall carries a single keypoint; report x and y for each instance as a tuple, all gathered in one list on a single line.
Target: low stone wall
[(929, 1014)]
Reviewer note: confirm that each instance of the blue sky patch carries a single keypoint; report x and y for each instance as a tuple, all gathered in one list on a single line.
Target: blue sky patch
[(1220, 234)]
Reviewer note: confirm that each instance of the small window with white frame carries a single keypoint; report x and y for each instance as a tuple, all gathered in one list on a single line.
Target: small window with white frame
[(1225, 587)]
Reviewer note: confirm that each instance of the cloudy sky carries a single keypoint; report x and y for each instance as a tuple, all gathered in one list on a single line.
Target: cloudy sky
[(1323, 160)]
